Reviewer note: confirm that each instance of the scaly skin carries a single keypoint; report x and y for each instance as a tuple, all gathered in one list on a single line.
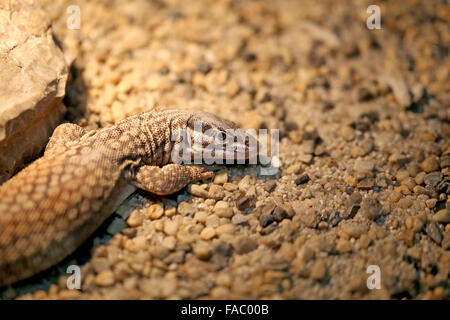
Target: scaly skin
[(48, 209)]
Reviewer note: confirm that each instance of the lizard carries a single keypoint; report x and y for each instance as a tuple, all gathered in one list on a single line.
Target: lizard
[(52, 206)]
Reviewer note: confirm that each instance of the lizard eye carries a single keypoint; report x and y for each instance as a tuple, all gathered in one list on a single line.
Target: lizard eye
[(222, 136)]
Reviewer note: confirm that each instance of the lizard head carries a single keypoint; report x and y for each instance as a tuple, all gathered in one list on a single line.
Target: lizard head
[(215, 140)]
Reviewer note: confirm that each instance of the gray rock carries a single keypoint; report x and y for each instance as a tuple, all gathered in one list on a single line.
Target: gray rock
[(433, 232), (432, 179)]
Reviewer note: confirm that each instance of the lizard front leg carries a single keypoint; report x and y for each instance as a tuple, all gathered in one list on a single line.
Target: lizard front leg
[(170, 178)]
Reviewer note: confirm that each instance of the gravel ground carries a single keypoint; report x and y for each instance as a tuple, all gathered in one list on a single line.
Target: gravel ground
[(364, 148)]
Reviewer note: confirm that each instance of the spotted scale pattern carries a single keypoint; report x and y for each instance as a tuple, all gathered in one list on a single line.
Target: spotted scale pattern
[(48, 209)]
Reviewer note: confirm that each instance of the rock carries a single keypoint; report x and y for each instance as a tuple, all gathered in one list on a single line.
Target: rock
[(304, 178), (170, 227), (208, 233), (366, 184), (295, 136), (307, 147), (270, 186), (363, 149), (445, 161), (212, 221), (430, 164), (318, 270), (382, 181), (279, 213), (159, 252), (186, 208), (294, 169), (203, 251), (446, 241), (352, 204), (405, 203), (348, 134), (442, 216), (364, 166), (343, 246), (221, 178), (364, 94), (169, 243), (239, 219), (269, 229), (230, 186), (323, 225), (155, 211), (400, 90), (415, 223), (371, 208), (244, 244), (395, 197), (419, 178), (105, 278), (198, 191), (353, 230), (402, 175), (431, 203), (351, 180), (216, 192), (100, 264), (244, 203), (267, 209), (305, 158), (204, 67), (33, 75), (223, 210), (265, 220), (223, 249), (129, 232), (135, 219), (335, 217), (433, 232), (364, 241), (432, 179), (246, 183)]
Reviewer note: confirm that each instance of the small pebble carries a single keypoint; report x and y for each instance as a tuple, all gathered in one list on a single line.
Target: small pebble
[(203, 251), (221, 178), (371, 208), (198, 191), (216, 192), (318, 270), (430, 164), (208, 233), (135, 219), (348, 134), (442, 216), (105, 278), (155, 211), (239, 219), (244, 244), (433, 232), (302, 179)]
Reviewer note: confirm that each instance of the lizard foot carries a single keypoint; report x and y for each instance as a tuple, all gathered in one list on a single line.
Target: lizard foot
[(170, 178)]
